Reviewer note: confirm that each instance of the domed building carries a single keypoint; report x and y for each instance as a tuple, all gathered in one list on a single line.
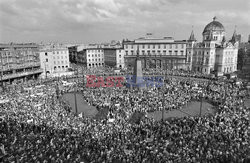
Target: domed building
[(214, 54)]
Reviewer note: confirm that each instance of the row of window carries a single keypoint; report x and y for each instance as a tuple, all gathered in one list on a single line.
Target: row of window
[(159, 46), (60, 52), (62, 62), (96, 64), (201, 52), (229, 60), (58, 57), (94, 51), (95, 60), (59, 67), (95, 55), (170, 52)]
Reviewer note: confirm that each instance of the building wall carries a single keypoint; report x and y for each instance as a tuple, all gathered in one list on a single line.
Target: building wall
[(19, 61), (54, 59), (94, 57), (156, 53), (120, 62)]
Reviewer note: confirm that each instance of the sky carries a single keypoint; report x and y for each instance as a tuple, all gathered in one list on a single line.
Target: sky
[(98, 21)]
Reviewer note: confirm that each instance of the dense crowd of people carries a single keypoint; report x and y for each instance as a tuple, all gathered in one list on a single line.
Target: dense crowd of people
[(38, 126)]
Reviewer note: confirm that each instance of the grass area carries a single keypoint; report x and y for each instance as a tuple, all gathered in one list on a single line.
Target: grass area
[(82, 106), (192, 109)]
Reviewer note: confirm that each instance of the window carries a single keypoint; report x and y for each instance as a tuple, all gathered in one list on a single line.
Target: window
[(143, 46), (58, 62), (47, 60), (159, 46), (182, 46), (170, 46), (132, 47), (55, 62), (165, 46), (176, 46), (182, 52), (57, 52), (92, 55), (164, 52), (175, 52), (170, 52), (148, 52), (46, 54), (132, 52), (120, 56), (89, 60), (89, 55), (148, 46), (153, 46), (143, 52), (126, 46), (62, 62), (126, 52)]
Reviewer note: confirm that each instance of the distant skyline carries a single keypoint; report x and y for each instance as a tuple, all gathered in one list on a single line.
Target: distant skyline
[(97, 21)]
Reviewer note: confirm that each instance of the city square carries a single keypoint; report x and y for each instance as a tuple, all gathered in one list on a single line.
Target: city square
[(150, 100)]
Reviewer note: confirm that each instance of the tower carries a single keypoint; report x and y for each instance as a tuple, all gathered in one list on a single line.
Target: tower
[(138, 75)]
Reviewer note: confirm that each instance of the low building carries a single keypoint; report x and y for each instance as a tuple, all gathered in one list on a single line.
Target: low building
[(19, 62), (54, 59), (165, 53)]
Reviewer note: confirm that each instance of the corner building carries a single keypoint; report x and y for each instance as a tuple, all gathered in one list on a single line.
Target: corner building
[(214, 54)]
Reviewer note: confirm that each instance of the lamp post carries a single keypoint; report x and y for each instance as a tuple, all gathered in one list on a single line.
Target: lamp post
[(75, 100), (201, 101)]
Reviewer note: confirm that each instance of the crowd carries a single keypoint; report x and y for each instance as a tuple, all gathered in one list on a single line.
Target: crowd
[(38, 126)]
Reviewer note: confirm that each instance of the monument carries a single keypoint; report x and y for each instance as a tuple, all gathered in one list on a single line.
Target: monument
[(137, 78)]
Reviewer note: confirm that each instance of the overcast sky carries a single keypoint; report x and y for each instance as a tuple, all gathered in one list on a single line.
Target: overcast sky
[(90, 21)]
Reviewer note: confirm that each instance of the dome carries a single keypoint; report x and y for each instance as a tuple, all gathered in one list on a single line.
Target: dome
[(215, 26)]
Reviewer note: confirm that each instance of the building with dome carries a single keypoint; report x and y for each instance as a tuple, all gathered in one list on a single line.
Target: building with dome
[(214, 54)]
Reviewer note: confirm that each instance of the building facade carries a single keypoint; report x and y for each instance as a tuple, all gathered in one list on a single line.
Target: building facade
[(73, 50), (214, 54), (19, 62), (54, 58), (165, 53), (91, 57), (114, 57)]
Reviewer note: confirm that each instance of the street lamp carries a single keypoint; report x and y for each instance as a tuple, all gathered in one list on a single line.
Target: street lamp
[(201, 101)]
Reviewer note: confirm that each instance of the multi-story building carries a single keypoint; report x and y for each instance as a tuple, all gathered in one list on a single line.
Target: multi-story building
[(214, 53), (244, 60), (165, 53), (19, 61), (54, 58), (73, 50), (91, 57), (114, 57)]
